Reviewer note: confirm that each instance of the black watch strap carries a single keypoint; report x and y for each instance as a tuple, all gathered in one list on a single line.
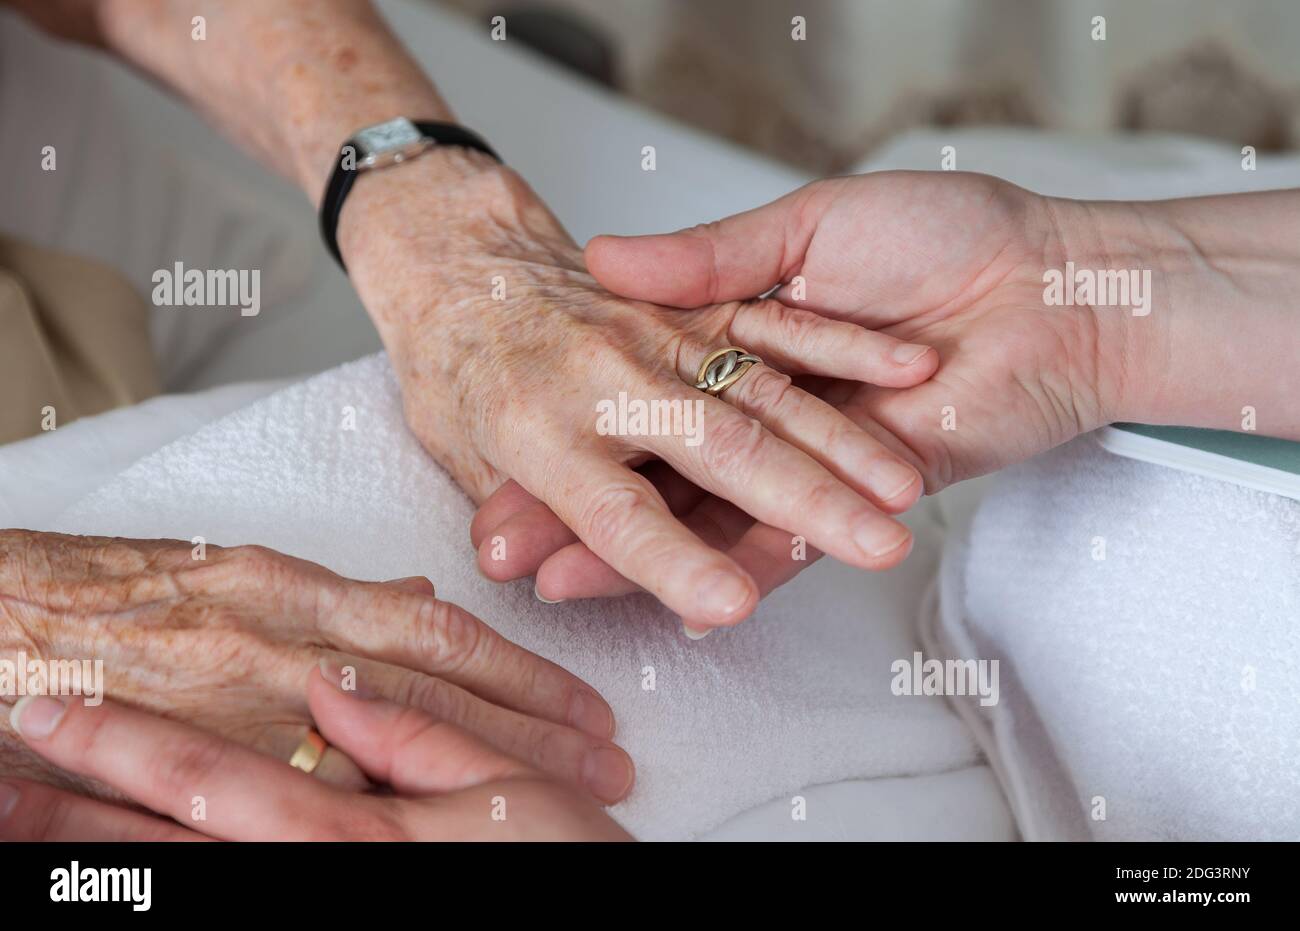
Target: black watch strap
[(342, 178)]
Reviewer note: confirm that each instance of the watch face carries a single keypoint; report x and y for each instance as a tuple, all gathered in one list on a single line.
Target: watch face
[(383, 138)]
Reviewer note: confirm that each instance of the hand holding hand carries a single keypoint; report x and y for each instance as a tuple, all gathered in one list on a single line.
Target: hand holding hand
[(955, 261), (447, 785), (505, 347), (223, 643), (952, 261)]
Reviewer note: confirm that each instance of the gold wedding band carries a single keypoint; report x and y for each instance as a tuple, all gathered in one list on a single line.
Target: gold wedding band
[(308, 755), (722, 368)]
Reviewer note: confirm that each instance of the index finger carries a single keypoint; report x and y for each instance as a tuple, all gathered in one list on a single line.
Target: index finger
[(625, 521)]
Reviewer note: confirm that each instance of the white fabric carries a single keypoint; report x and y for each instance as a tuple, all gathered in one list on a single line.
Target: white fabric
[(958, 805), (1163, 678), (42, 475), (797, 696)]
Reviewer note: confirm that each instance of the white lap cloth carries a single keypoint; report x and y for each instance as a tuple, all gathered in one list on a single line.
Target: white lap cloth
[(1148, 625), (797, 696)]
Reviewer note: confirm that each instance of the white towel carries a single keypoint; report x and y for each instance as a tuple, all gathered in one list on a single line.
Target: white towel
[(797, 696), (1152, 694)]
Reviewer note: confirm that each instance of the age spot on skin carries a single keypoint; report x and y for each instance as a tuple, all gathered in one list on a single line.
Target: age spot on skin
[(346, 59)]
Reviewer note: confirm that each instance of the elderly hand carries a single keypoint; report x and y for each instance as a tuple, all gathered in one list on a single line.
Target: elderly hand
[(506, 385), (952, 261), (447, 784), (223, 643)]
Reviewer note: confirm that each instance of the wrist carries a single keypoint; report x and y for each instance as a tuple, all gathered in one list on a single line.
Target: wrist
[(415, 235), (323, 126), (330, 73), (1096, 240), (1220, 335)]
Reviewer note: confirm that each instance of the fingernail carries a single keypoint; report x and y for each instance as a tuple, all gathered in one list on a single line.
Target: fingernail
[(722, 595), (908, 353), (890, 478), (588, 713), (607, 773), (36, 716), (8, 799), (545, 601), (876, 541), (344, 678), (693, 634)]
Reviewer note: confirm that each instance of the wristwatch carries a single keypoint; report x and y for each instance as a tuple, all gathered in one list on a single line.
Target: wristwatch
[(380, 146)]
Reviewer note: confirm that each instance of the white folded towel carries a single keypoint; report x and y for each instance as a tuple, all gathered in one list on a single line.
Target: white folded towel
[(1158, 686), (797, 696)]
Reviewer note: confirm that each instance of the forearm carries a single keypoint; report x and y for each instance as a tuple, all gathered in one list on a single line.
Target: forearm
[(291, 80), (288, 80), (1223, 333)]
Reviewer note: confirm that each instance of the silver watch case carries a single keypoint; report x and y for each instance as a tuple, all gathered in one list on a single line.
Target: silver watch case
[(389, 143)]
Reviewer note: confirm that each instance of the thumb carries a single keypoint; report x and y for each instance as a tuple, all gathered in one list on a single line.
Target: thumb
[(734, 259), (401, 746)]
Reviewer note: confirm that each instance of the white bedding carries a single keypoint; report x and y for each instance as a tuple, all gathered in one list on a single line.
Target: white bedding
[(1150, 694), (799, 695)]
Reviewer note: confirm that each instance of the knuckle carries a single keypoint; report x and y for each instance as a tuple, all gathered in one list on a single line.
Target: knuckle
[(842, 437), (821, 496), (253, 554), (550, 748), (732, 447), (613, 511), (675, 353), (446, 633), (189, 764), (797, 329), (436, 697), (766, 390), (261, 564)]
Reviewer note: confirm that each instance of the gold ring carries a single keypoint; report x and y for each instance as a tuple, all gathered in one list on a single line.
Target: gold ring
[(308, 755), (722, 368)]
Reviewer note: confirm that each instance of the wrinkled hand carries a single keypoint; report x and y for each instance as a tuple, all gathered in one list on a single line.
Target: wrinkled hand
[(446, 784), (224, 643), (509, 388), (952, 261)]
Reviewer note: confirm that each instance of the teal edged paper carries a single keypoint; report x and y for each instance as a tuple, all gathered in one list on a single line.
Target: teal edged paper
[(1261, 462)]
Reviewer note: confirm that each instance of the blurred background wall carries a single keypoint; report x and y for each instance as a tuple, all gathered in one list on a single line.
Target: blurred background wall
[(1228, 69)]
